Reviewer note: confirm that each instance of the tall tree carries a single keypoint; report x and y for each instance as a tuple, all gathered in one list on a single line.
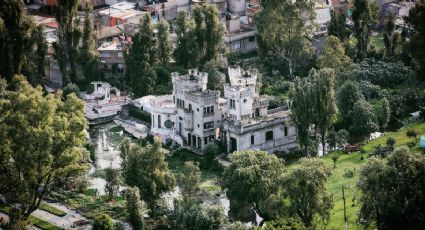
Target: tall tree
[(251, 177), (364, 16), (208, 32), (184, 51), (391, 37), (112, 182), (338, 27), (363, 119), (333, 55), (416, 44), (88, 55), (392, 191), (215, 81), (146, 169), (302, 96), (383, 114), (324, 102), (164, 44), (141, 59), (190, 178), (283, 33), (305, 187), (135, 209), (16, 38), (36, 77), (348, 94), (68, 38), (42, 141)]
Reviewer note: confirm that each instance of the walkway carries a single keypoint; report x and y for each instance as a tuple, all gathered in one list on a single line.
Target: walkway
[(65, 222)]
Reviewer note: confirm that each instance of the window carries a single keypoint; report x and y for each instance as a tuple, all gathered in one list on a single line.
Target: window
[(205, 140), (232, 104), (205, 110), (236, 45), (212, 109), (190, 107), (269, 135), (208, 110), (159, 121), (251, 39), (285, 130), (252, 140), (209, 125)]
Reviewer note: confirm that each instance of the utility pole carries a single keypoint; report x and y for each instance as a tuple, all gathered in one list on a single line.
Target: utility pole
[(345, 210)]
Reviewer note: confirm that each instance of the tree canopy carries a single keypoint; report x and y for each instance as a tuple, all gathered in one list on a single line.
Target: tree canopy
[(392, 191), (251, 177), (41, 141)]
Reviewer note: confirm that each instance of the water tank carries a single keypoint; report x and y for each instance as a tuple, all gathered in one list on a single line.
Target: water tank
[(422, 142)]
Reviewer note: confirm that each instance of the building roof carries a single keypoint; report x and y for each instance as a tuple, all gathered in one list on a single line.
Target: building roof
[(108, 31)]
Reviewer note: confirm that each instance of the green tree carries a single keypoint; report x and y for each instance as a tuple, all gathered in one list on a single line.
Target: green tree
[(189, 179), (391, 191), (383, 114), (333, 55), (112, 185), (215, 81), (347, 95), (70, 88), (184, 51), (284, 223), (324, 102), (391, 37), (363, 119), (38, 58), (305, 187), (283, 34), (141, 59), (88, 55), (135, 208), (16, 38), (190, 214), (302, 108), (251, 177), (146, 169), (41, 141), (164, 44), (238, 226), (416, 44), (364, 16), (338, 27), (208, 32), (68, 39), (103, 222)]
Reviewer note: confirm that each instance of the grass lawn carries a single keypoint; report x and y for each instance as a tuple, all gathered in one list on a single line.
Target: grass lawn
[(354, 162), (34, 220), (52, 209)]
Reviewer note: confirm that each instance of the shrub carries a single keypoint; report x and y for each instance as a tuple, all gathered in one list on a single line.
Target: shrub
[(411, 133), (411, 144), (52, 209), (103, 222), (163, 76), (349, 174), (335, 159), (390, 141)]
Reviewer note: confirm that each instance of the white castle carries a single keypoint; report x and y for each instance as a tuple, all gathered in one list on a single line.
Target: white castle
[(194, 116)]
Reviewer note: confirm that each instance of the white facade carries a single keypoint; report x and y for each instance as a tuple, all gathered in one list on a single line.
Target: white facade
[(195, 116)]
